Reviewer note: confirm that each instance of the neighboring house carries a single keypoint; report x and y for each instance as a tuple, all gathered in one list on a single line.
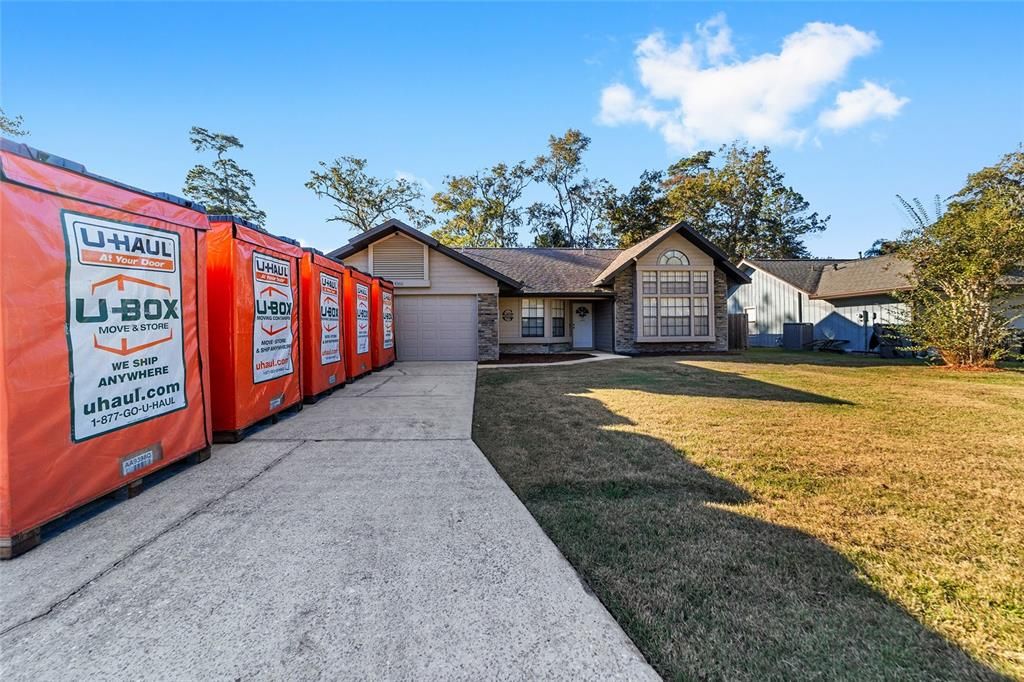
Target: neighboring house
[(665, 294), (843, 299)]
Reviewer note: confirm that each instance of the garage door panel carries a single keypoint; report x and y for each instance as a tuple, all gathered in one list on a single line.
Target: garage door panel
[(436, 327)]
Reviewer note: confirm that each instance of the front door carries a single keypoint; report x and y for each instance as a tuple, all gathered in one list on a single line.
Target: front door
[(582, 325)]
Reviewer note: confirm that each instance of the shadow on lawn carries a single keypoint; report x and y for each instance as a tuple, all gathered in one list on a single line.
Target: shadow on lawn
[(705, 591), (687, 379), (768, 356)]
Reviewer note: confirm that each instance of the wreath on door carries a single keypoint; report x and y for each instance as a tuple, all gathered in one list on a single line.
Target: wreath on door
[(582, 312), (506, 315)]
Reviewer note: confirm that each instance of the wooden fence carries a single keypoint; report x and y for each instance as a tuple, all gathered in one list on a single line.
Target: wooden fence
[(738, 332)]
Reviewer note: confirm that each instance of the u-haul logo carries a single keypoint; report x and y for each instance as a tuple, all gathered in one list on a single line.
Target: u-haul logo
[(362, 319), (124, 247), (273, 307), (330, 319), (124, 323)]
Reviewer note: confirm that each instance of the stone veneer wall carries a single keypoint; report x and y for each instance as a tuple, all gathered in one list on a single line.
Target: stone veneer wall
[(625, 320), (487, 326), (520, 348)]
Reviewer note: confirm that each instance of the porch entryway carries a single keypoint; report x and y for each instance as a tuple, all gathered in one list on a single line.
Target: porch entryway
[(582, 325)]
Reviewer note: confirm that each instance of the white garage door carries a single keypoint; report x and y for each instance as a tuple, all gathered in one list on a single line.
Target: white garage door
[(436, 327)]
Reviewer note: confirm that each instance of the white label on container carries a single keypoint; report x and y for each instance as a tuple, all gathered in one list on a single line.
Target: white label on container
[(362, 318), (141, 459), (124, 330), (330, 320), (389, 318), (272, 318)]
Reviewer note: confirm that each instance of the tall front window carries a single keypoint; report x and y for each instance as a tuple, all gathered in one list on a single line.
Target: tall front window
[(532, 315), (675, 299), (558, 318)]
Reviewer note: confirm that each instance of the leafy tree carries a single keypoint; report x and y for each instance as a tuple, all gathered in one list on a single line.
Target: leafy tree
[(483, 206), (961, 265), (225, 187), (12, 125), (576, 217), (918, 214), (364, 201), (640, 212), (743, 204), (883, 247)]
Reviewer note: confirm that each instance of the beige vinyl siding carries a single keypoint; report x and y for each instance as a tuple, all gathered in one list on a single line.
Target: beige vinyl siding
[(510, 331), (358, 260), (679, 243), (446, 276)]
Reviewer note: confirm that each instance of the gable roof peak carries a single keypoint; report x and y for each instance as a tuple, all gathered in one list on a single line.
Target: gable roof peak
[(687, 232)]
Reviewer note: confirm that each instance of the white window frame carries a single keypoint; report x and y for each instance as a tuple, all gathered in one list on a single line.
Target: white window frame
[(639, 297), (532, 302)]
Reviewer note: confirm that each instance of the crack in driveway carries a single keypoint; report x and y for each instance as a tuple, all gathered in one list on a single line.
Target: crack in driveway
[(49, 610)]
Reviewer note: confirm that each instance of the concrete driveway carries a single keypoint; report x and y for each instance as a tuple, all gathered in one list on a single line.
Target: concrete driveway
[(365, 537)]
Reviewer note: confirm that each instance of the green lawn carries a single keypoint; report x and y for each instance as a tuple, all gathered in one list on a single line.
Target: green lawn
[(780, 516)]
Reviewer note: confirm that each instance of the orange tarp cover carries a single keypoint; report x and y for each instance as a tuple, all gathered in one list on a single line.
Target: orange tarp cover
[(254, 323), (358, 333), (383, 313), (323, 338), (102, 337)]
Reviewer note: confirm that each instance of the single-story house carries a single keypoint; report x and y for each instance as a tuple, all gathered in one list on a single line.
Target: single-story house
[(664, 294), (843, 299)]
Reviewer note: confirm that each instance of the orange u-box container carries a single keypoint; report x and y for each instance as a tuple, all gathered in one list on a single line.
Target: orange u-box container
[(255, 354), (356, 288), (103, 327), (383, 314), (323, 336)]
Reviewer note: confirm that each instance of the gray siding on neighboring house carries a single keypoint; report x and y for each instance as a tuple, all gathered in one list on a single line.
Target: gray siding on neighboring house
[(604, 326), (844, 321), (776, 302), (1015, 309)]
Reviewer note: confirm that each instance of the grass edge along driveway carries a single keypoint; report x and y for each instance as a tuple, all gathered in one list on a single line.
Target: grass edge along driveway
[(773, 515)]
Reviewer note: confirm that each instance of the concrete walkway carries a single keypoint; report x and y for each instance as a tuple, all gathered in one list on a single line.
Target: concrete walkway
[(366, 537)]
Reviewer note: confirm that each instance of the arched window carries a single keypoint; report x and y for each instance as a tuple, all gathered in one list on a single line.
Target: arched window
[(673, 257)]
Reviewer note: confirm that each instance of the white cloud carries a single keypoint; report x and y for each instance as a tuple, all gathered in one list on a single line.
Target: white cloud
[(424, 183), (716, 37), (854, 107), (699, 91)]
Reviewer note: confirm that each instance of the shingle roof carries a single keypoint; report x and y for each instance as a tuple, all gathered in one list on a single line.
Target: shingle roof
[(865, 276), (803, 273), (640, 248), (541, 270), (389, 227), (548, 270)]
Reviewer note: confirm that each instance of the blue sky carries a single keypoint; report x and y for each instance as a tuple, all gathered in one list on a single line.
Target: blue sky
[(935, 92)]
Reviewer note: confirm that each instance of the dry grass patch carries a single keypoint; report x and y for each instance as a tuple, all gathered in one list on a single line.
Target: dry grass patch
[(775, 515)]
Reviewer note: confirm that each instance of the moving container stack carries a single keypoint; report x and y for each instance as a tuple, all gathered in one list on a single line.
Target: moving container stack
[(356, 287), (254, 325), (383, 323), (323, 345), (103, 338)]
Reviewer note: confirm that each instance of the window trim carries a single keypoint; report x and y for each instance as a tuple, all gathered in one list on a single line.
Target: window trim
[(664, 254), (555, 302), (639, 297), (523, 317)]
